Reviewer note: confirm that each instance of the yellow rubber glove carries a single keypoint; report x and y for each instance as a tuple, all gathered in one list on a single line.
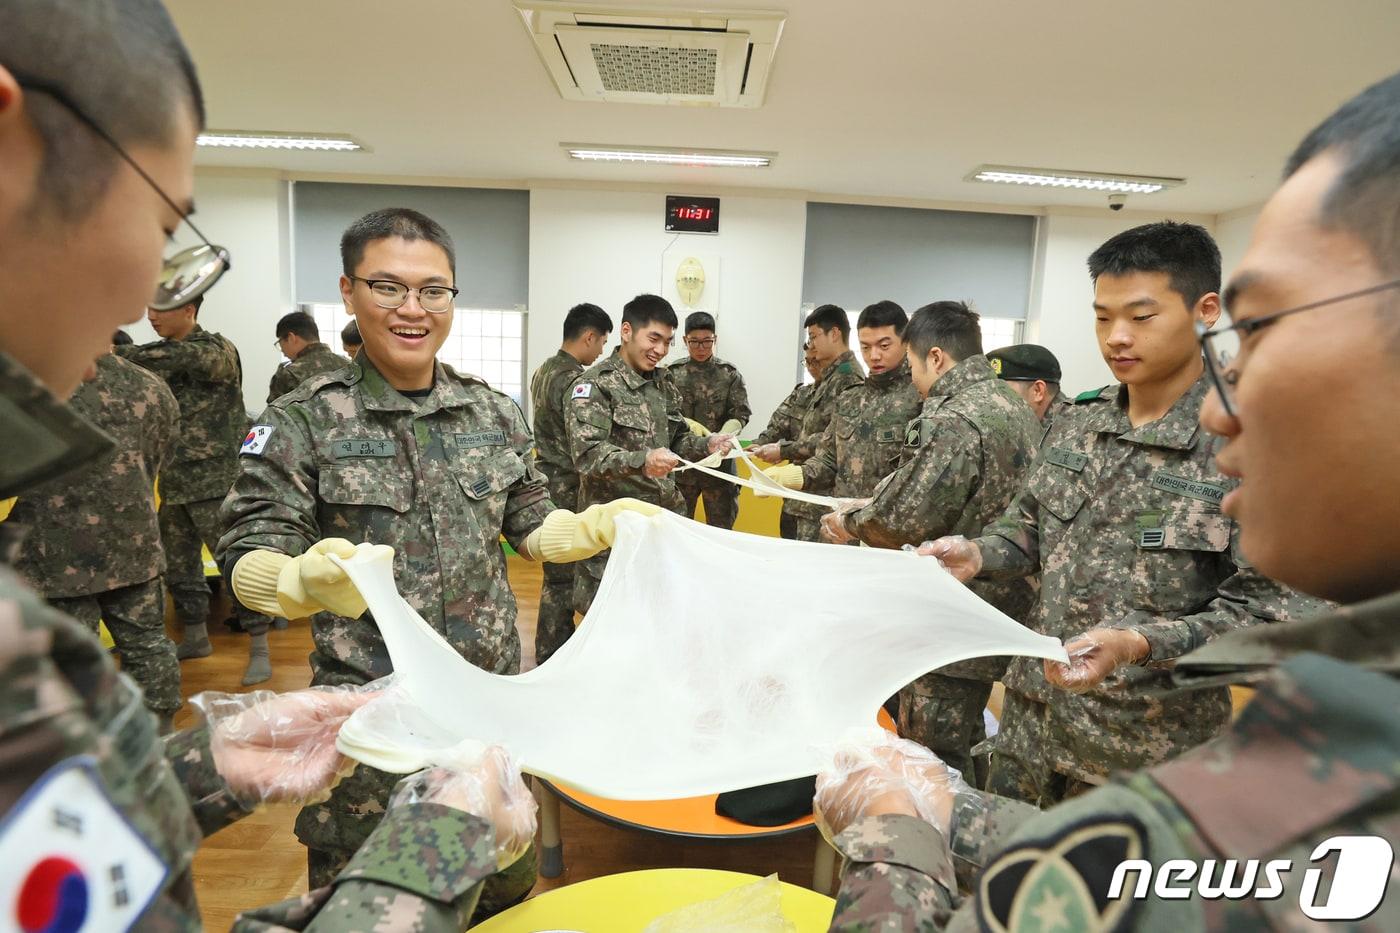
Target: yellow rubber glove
[(296, 587), (696, 428), (566, 536), (789, 475), (732, 426)]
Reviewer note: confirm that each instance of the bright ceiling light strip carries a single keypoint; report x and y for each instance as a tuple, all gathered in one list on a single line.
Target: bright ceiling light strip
[(272, 141), (1086, 181), (671, 157)]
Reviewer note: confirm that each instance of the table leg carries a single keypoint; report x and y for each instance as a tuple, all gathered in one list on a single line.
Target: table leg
[(824, 868), (551, 846)]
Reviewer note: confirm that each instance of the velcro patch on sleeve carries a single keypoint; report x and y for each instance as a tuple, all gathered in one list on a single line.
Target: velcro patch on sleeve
[(583, 390), (256, 440)]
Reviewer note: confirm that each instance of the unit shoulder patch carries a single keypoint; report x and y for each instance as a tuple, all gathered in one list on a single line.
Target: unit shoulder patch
[(582, 390), (256, 440)]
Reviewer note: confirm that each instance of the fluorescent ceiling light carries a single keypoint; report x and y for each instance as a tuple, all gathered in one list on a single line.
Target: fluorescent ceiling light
[(662, 156), (1087, 181), (219, 139)]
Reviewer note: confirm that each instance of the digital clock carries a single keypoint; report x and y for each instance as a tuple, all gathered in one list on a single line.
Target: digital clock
[(692, 215)]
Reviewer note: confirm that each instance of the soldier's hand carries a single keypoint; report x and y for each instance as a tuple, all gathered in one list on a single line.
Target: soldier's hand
[(491, 789), (1094, 655), (834, 528), (280, 748), (768, 453), (875, 774), (721, 443), (959, 556), (659, 463)]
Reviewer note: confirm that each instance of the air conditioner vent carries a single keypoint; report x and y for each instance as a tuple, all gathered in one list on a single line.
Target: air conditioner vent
[(617, 55)]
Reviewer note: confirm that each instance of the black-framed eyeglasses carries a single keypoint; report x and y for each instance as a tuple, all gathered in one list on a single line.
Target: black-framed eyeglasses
[(700, 344), (187, 274), (1221, 348), (388, 294)]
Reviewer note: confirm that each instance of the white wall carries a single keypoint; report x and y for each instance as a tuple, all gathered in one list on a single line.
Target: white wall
[(1062, 317), (1232, 232), (607, 246), (248, 215)]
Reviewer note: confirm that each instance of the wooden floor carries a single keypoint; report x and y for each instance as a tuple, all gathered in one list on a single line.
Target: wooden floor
[(259, 860)]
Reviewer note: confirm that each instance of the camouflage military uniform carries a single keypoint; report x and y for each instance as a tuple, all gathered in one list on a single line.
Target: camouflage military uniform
[(439, 479), (92, 545), (1283, 778), (549, 390), (711, 393), (1124, 526), (840, 375), (1060, 407), (964, 459), (61, 697), (206, 375), (786, 421), (615, 415), (315, 360)]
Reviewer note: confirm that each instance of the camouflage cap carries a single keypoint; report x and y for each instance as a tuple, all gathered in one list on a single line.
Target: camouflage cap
[(1025, 362)]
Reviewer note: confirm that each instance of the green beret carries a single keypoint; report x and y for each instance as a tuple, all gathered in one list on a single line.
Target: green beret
[(1025, 362)]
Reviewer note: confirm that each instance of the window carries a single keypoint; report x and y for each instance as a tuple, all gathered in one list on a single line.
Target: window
[(997, 332), (485, 342)]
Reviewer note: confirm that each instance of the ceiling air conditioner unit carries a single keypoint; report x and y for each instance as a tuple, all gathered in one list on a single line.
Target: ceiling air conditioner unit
[(654, 56)]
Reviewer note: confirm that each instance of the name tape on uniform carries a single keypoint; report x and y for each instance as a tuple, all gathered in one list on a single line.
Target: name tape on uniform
[(70, 861), (481, 439), (1068, 459), (363, 447), (583, 390), (1191, 488), (256, 440)]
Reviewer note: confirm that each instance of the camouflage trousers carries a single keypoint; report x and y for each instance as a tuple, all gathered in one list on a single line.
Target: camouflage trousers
[(135, 615), (555, 622), (807, 529), (333, 830), (1020, 766), (588, 574), (787, 526), (721, 500), (184, 527), (944, 714)]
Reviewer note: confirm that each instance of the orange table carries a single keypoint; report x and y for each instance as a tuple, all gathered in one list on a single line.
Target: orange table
[(691, 818), (626, 903)]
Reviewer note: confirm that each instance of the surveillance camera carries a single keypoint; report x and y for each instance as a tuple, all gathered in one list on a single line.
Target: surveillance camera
[(1116, 201)]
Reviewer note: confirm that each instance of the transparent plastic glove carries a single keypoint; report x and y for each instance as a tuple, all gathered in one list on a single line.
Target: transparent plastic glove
[(732, 426), (297, 587), (566, 536), (1094, 655), (659, 462), (876, 772), (834, 522), (280, 747), (768, 453), (696, 428), (957, 554), (721, 443), (491, 789)]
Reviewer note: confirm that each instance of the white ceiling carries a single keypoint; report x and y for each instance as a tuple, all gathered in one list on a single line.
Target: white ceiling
[(868, 98)]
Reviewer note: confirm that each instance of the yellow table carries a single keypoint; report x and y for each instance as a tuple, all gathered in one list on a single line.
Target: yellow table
[(626, 903)]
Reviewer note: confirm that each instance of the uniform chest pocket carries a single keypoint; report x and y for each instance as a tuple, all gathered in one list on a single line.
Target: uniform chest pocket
[(484, 477), (1059, 490), (633, 420), (365, 483), (1180, 559)]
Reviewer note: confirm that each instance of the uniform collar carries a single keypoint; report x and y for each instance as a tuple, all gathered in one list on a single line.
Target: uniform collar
[(312, 349), (965, 373), (1366, 634), (634, 379), (848, 358), (1176, 430), (568, 358), (378, 395), (44, 439), (891, 379)]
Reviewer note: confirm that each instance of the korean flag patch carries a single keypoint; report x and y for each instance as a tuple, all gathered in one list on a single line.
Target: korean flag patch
[(583, 390), (71, 859), (256, 439)]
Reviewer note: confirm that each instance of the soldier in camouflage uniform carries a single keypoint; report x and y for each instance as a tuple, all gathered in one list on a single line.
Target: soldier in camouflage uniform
[(66, 713), (786, 421), (206, 375), (397, 450), (965, 458), (300, 342), (1034, 373), (712, 396), (828, 335), (1315, 755), (861, 444), (1121, 517), (625, 427), (586, 330), (92, 545)]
